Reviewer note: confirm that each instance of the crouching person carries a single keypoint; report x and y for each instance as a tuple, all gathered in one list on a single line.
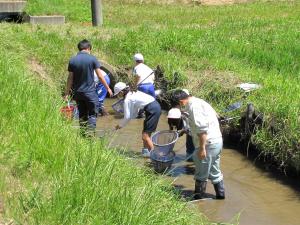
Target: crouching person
[(134, 101), (208, 142), (179, 121)]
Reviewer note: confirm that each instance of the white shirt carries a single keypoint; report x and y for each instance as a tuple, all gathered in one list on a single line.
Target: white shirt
[(96, 79), (185, 120), (203, 119), (134, 101), (143, 71)]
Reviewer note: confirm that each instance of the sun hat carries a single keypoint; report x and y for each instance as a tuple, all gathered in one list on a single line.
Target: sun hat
[(120, 86), (138, 57), (174, 113), (186, 91)]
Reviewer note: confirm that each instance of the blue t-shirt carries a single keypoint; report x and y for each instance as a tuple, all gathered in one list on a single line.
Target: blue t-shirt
[(83, 65)]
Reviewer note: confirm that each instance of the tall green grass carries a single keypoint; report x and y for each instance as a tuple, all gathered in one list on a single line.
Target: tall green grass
[(257, 42), (50, 175)]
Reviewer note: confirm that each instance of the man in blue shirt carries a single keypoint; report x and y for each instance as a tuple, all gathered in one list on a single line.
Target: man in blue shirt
[(81, 80)]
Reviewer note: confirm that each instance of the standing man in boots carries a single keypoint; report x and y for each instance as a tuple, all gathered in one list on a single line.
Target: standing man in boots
[(81, 80), (207, 138)]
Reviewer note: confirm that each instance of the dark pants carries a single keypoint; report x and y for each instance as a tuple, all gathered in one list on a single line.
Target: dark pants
[(152, 111), (88, 106), (190, 148)]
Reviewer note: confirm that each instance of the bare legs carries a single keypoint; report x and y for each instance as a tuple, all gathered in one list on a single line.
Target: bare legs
[(147, 141)]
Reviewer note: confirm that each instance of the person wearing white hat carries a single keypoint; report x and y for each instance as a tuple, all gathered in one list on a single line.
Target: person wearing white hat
[(174, 119), (144, 75), (179, 121), (134, 101)]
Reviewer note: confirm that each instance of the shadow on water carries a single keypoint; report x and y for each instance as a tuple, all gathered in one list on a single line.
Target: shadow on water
[(267, 166), (257, 195)]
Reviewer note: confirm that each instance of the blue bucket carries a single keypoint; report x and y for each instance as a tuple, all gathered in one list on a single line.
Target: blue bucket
[(161, 163)]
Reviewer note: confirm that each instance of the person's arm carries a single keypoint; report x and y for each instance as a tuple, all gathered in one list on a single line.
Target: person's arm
[(103, 81), (136, 80), (201, 124), (69, 85), (202, 142), (127, 113)]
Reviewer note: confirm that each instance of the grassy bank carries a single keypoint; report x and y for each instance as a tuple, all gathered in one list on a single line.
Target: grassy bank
[(49, 175), (216, 47)]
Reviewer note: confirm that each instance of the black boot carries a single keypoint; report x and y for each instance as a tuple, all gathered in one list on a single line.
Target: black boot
[(200, 188), (219, 189)]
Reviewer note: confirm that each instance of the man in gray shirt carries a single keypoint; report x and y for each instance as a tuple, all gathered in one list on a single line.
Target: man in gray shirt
[(207, 138)]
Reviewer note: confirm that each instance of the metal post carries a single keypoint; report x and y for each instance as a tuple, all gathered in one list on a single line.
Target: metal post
[(97, 12)]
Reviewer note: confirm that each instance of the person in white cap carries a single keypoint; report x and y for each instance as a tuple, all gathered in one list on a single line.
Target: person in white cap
[(144, 75), (179, 121), (134, 101), (174, 119)]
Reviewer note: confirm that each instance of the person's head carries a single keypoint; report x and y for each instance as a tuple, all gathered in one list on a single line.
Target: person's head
[(138, 58), (121, 89), (84, 45), (180, 97), (174, 119), (186, 91)]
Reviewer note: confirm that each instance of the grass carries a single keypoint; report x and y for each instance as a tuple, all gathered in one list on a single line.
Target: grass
[(256, 42), (52, 176), (60, 178)]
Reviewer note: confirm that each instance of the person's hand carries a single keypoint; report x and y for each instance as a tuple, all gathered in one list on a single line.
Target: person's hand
[(202, 154), (181, 133), (118, 127), (66, 97), (110, 92)]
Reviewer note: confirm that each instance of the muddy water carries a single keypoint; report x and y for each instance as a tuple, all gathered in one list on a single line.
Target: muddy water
[(250, 193)]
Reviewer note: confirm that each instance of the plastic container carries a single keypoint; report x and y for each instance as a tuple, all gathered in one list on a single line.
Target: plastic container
[(161, 163), (118, 106), (164, 141), (67, 111)]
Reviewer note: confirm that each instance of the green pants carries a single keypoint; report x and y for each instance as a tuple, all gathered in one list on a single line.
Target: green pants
[(209, 168)]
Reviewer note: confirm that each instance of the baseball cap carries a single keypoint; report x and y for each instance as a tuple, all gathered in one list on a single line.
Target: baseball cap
[(174, 113), (138, 57), (186, 91), (120, 86)]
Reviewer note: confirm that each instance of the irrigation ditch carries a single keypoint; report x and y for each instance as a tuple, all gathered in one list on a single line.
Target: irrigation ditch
[(237, 131), (250, 189)]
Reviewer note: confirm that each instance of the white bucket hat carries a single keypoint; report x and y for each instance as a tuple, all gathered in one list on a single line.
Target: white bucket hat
[(186, 91), (174, 113), (120, 86), (138, 57)]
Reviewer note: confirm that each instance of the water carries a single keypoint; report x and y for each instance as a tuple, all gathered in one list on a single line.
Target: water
[(257, 196)]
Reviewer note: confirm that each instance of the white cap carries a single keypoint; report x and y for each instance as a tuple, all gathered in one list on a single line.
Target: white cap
[(186, 91), (120, 86), (138, 57), (174, 113)]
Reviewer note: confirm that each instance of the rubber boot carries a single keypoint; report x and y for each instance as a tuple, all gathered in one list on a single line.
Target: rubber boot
[(219, 189), (200, 188)]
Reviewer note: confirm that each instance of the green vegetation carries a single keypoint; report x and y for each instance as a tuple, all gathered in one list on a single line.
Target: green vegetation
[(220, 46), (51, 176)]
